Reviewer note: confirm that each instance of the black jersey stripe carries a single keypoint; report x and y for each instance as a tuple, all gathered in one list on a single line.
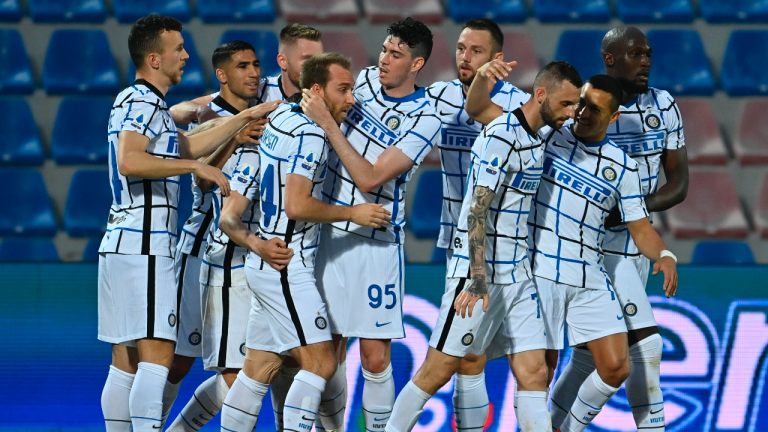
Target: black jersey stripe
[(151, 277), (146, 232), (287, 289), (451, 314)]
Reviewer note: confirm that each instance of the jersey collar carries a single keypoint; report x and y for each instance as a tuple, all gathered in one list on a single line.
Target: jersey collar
[(221, 102), (147, 84), (604, 141), (417, 94), (523, 122), (280, 86)]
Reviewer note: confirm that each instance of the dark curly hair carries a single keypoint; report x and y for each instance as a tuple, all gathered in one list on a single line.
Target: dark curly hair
[(144, 37), (225, 52), (415, 34)]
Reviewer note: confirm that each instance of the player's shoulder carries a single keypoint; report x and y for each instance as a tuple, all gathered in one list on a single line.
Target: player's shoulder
[(438, 87), (138, 93), (368, 77), (507, 90), (290, 120), (614, 152)]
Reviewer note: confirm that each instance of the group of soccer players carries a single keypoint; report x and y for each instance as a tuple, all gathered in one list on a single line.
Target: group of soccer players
[(295, 242)]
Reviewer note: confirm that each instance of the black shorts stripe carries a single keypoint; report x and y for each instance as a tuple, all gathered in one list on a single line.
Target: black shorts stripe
[(146, 232), (224, 341), (151, 276), (179, 291), (451, 314), (287, 289), (202, 232)]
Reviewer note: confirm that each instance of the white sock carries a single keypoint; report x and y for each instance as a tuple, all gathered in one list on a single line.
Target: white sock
[(333, 401), (593, 395), (242, 404), (378, 398), (205, 404), (470, 402), (568, 384), (302, 401), (643, 384), (408, 408), (170, 392), (146, 400), (279, 389), (114, 400), (534, 415)]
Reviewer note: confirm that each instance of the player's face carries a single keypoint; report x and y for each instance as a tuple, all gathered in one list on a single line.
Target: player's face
[(593, 113), (395, 62), (174, 56), (296, 53), (632, 65), (473, 50), (559, 105), (337, 93), (243, 73)]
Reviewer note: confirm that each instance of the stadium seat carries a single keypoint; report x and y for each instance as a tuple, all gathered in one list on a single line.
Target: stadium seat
[(711, 209), (15, 70), (427, 205), (349, 44), (66, 11), (88, 202), (320, 11), (128, 11), (518, 47), (28, 250), (20, 143), (732, 11), (438, 256), (10, 11), (761, 209), (751, 143), (745, 65), (441, 65), (680, 64), (579, 11), (501, 11), (652, 11), (185, 200), (386, 11), (265, 43), (192, 82), (581, 48), (80, 61), (31, 213), (79, 131), (703, 142), (234, 11), (722, 253), (91, 252)]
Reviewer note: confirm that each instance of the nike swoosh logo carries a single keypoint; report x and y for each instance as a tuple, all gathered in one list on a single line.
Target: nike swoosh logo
[(593, 413), (381, 419), (619, 317), (382, 325), (656, 412), (307, 419), (157, 427)]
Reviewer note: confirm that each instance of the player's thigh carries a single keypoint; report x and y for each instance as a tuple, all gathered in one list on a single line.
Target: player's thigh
[(523, 327), (190, 306), (552, 308), (530, 369), (592, 314), (630, 291), (225, 327)]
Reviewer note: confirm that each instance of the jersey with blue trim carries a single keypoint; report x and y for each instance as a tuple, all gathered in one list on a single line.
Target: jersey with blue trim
[(580, 184), (143, 215), (457, 135), (373, 124), (291, 144), (646, 127), (506, 158)]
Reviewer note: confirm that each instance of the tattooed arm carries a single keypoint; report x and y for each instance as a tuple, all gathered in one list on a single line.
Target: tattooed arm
[(476, 287)]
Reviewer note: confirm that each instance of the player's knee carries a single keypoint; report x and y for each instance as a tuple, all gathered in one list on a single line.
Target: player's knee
[(374, 362), (533, 376), (326, 368), (616, 371), (472, 365)]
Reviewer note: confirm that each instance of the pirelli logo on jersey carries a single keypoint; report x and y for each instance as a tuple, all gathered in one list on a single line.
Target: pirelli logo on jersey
[(526, 181), (458, 137), (368, 124), (634, 144), (571, 177)]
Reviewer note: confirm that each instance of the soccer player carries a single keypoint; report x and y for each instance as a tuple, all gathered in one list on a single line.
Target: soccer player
[(137, 286), (384, 138), (292, 168), (650, 130), (585, 176), (480, 41)]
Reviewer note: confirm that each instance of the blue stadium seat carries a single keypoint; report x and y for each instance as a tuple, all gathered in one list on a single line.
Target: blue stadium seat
[(185, 200), (502, 11), (250, 11), (722, 253), (88, 204), (648, 11), (732, 11), (581, 48), (128, 11), (28, 250), (265, 43), (63, 11), (438, 256), (15, 70), (79, 131), (680, 64), (10, 11), (193, 81), (580, 11), (20, 143), (745, 65), (427, 205), (31, 213), (91, 252), (80, 61)]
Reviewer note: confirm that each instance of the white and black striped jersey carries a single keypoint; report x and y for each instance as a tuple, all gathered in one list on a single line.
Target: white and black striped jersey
[(291, 144), (580, 184), (506, 158), (143, 215), (457, 135), (373, 124), (646, 127)]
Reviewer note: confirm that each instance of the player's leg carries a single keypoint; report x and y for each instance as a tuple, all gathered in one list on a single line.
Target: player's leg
[(333, 401), (580, 366), (530, 370), (379, 385), (318, 365), (117, 389), (279, 389), (242, 404), (470, 397), (146, 400)]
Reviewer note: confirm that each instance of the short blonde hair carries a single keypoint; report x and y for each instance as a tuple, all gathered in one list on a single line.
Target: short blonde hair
[(293, 32)]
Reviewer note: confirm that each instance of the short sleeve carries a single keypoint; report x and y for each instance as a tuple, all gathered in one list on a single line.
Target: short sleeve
[(631, 201), (144, 116), (307, 153), (244, 176), (421, 136), (674, 122), (498, 157)]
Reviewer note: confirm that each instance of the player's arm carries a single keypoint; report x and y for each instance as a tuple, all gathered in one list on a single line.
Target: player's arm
[(301, 205), (195, 110), (478, 104), (476, 288), (650, 244), (674, 191)]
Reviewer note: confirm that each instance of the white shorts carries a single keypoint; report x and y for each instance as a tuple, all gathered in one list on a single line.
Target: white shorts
[(137, 298), (190, 306), (591, 314), (361, 281), (292, 307), (225, 322), (629, 277), (512, 323)]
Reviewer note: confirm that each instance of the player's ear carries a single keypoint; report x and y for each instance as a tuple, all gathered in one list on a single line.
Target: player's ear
[(317, 89), (614, 117), (153, 60), (221, 76), (282, 61), (608, 59), (417, 64), (498, 56), (541, 94)]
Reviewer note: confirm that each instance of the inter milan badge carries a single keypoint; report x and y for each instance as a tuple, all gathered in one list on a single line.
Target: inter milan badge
[(393, 122), (630, 309), (242, 348), (609, 174), (172, 320), (493, 165), (195, 338), (245, 174), (309, 160), (321, 323), (652, 121), (467, 339)]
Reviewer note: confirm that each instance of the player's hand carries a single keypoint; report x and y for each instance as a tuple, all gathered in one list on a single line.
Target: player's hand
[(213, 175), (273, 251), (372, 215), (614, 218), (260, 111), (476, 289), (251, 133), (315, 109), (496, 69), (668, 266)]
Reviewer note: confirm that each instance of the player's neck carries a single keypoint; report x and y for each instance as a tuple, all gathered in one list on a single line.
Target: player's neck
[(532, 114), (159, 81), (236, 101), (594, 138), (405, 89), (628, 97), (288, 87)]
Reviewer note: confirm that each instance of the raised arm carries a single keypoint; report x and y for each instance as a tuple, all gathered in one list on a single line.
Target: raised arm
[(478, 104), (195, 110), (650, 244)]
